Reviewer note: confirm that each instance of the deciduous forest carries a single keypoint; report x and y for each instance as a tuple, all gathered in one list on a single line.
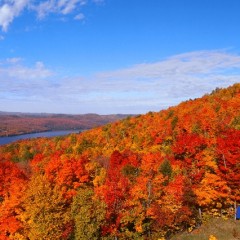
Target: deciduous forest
[(143, 177)]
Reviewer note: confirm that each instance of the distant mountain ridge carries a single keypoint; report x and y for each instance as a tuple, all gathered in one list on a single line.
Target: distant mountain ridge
[(15, 123)]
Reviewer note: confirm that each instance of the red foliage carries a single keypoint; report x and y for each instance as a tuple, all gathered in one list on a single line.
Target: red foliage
[(179, 159), (228, 156), (12, 186), (68, 173)]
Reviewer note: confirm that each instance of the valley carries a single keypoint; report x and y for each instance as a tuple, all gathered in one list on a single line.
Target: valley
[(22, 123), (151, 176)]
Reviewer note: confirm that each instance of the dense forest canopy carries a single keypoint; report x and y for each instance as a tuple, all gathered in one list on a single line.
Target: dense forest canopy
[(143, 177)]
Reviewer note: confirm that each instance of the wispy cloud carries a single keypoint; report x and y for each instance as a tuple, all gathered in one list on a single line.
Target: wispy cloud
[(190, 64), (137, 89), (10, 9), (13, 70), (14, 60), (181, 76), (57, 6), (79, 17)]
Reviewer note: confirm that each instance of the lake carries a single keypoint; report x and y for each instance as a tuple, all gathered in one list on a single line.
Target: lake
[(6, 140)]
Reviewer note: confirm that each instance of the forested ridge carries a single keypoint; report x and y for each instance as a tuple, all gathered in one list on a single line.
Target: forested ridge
[(143, 177), (22, 123)]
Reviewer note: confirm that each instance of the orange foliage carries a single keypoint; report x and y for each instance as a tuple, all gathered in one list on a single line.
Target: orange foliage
[(152, 172)]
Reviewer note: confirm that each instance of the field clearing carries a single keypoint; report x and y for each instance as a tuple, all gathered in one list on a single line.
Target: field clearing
[(217, 227)]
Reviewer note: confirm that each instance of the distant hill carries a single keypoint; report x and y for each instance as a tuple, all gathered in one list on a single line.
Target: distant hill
[(22, 123), (142, 177)]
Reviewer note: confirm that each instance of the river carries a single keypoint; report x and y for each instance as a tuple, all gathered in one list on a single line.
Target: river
[(6, 140)]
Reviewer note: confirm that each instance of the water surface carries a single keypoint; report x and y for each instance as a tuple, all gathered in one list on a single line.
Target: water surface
[(6, 140)]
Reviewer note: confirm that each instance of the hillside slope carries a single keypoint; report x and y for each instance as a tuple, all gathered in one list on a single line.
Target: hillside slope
[(22, 123), (143, 177), (215, 228)]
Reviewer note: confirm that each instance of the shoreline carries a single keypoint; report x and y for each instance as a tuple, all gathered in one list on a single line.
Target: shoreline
[(33, 132), (45, 134)]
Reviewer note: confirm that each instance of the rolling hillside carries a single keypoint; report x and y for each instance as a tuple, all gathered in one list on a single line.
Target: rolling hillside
[(143, 177), (22, 123)]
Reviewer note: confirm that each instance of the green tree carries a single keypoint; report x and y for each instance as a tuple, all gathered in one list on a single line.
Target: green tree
[(166, 168), (88, 213)]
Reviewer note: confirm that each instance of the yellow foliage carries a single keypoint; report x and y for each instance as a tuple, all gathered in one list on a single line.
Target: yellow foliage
[(219, 205), (98, 180), (45, 210), (211, 237), (18, 236)]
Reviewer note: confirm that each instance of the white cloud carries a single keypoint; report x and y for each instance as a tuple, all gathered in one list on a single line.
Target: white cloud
[(10, 9), (152, 86), (37, 72), (80, 16), (13, 70), (14, 60), (71, 5), (57, 6), (137, 89), (44, 8), (190, 64)]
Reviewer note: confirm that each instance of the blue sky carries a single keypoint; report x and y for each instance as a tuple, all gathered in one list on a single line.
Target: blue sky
[(115, 56)]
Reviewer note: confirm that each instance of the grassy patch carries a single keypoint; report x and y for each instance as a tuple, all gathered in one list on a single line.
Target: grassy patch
[(219, 228)]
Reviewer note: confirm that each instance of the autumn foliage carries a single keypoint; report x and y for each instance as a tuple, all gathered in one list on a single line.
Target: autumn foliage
[(143, 177)]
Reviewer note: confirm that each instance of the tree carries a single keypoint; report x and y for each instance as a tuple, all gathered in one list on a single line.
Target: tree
[(88, 213), (212, 191), (67, 173), (45, 213), (115, 192), (228, 155), (12, 186), (166, 170)]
